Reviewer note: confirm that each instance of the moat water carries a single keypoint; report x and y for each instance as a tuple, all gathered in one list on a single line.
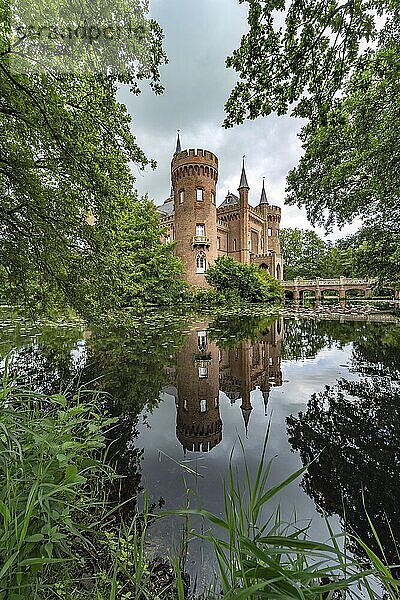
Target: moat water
[(190, 392)]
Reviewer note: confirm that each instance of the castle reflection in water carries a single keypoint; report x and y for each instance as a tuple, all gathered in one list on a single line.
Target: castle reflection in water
[(203, 370)]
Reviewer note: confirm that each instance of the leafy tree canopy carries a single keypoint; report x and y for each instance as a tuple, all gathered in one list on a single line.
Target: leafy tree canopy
[(376, 252), (299, 55), (65, 148), (349, 434), (335, 63), (350, 163), (307, 256), (303, 252)]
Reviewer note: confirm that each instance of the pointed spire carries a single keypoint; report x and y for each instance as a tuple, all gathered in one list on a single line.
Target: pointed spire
[(246, 412), (265, 395), (178, 143), (243, 179), (263, 199)]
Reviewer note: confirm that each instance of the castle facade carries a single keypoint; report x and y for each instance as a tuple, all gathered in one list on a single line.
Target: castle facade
[(244, 374), (203, 232)]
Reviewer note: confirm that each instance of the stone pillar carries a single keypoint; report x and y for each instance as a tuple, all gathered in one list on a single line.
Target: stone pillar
[(342, 290), (244, 226)]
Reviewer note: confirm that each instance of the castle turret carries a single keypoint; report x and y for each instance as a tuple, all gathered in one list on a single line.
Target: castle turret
[(270, 257), (194, 175), (243, 190), (199, 425)]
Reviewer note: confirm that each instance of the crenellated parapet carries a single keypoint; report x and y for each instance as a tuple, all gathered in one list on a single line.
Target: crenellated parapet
[(192, 163)]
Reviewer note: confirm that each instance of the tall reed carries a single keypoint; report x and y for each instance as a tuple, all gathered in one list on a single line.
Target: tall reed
[(260, 556)]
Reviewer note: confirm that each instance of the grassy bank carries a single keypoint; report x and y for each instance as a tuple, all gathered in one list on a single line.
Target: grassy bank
[(62, 535)]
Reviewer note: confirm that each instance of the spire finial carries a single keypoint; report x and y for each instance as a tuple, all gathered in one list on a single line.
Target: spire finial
[(243, 179), (178, 143), (263, 199)]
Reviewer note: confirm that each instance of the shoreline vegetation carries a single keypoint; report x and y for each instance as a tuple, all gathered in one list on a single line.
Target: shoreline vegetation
[(77, 239), (64, 535), (210, 305)]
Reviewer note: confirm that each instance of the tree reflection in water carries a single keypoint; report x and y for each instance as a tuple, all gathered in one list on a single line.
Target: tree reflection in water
[(352, 433), (352, 429)]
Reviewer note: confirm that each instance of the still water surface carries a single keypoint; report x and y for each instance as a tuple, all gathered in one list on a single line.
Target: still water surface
[(188, 389)]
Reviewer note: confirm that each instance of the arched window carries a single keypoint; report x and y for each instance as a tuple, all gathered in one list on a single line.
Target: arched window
[(278, 271), (201, 263), (202, 340), (234, 245)]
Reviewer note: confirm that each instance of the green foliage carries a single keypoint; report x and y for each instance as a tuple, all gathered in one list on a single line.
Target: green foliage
[(341, 430), (376, 252), (336, 64), (303, 252), (237, 281), (229, 332), (261, 557), (59, 529), (129, 363), (65, 147), (307, 60), (50, 475), (307, 256), (132, 267), (340, 175)]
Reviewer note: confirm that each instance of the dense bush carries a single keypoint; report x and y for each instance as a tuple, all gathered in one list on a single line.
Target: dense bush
[(237, 281), (61, 535), (51, 480)]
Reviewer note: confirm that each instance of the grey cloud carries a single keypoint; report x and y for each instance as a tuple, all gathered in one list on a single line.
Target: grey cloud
[(199, 35)]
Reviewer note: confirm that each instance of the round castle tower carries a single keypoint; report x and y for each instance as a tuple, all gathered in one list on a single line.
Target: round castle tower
[(198, 423), (194, 175)]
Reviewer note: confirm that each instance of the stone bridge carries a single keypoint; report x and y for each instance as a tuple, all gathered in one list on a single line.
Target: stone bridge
[(297, 287)]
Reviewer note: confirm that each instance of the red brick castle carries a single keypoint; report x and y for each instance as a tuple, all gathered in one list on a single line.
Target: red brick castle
[(250, 234)]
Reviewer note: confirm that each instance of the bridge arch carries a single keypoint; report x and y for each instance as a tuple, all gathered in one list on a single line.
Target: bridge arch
[(366, 293), (320, 287)]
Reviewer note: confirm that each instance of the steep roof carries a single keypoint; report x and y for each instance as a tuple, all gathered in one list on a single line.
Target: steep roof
[(166, 209), (246, 412), (264, 199), (230, 200), (178, 144), (243, 179)]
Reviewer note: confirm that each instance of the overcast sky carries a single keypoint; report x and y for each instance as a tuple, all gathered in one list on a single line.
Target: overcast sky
[(199, 35)]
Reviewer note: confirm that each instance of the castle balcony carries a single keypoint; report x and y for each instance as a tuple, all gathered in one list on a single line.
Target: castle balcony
[(201, 240), (202, 360)]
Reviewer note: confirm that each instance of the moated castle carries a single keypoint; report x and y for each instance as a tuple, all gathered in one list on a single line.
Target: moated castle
[(203, 232)]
